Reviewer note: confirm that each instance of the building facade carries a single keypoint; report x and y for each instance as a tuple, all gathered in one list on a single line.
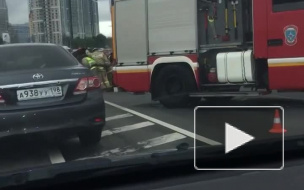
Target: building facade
[(94, 17), (77, 18), (12, 34), (85, 18), (54, 21), (3, 17), (21, 31), (48, 20)]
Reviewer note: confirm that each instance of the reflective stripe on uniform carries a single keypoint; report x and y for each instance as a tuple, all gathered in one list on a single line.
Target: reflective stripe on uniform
[(99, 68), (90, 61)]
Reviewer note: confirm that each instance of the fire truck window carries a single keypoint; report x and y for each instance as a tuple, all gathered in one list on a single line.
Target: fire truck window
[(287, 5)]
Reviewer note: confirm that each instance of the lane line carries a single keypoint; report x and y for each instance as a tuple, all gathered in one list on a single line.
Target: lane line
[(167, 125), (150, 143), (126, 128), (161, 140), (56, 156), (119, 117)]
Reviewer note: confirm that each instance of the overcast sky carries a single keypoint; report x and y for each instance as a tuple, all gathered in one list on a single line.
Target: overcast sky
[(18, 14)]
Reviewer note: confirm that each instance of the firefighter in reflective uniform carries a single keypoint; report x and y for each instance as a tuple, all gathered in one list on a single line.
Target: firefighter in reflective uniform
[(104, 67), (88, 62), (95, 62), (110, 70)]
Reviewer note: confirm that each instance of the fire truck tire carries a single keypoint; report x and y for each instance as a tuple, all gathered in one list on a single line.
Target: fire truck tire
[(173, 84)]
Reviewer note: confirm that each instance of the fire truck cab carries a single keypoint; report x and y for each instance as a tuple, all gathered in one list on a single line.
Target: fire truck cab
[(184, 50)]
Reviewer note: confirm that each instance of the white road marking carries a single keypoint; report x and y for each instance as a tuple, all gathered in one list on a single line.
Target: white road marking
[(56, 156), (167, 125), (126, 128), (117, 151), (150, 143), (161, 140), (119, 117)]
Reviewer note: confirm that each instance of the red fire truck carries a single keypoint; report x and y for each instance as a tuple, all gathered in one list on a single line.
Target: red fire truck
[(184, 50)]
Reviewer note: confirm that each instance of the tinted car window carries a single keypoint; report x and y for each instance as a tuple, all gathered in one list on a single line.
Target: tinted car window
[(34, 57)]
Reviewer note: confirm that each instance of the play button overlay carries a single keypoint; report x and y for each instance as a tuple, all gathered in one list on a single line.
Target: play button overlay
[(235, 138), (239, 138)]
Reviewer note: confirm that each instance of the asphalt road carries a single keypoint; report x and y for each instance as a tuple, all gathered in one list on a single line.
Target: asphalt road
[(135, 124)]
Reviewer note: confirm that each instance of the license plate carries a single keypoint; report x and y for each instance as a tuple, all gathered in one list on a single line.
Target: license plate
[(38, 93)]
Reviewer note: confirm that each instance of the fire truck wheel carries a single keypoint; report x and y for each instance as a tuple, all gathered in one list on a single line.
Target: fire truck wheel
[(173, 84)]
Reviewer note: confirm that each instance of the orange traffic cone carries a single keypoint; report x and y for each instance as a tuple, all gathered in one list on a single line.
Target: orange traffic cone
[(277, 126)]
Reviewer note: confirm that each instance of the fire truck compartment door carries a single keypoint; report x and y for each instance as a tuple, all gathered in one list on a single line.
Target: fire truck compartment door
[(172, 26), (285, 60), (285, 28), (131, 31), (131, 72)]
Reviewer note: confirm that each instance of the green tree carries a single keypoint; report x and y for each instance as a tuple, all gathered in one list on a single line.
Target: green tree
[(99, 41), (90, 42), (66, 40), (77, 42), (109, 42)]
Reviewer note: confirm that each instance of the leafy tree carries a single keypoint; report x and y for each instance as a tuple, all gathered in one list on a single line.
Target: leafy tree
[(77, 42), (109, 42), (66, 40), (99, 41), (90, 42)]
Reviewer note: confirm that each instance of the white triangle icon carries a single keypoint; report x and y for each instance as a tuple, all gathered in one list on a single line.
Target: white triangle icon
[(235, 138)]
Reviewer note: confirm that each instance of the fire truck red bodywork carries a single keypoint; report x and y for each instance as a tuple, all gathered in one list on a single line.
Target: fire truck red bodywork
[(285, 61), (270, 25)]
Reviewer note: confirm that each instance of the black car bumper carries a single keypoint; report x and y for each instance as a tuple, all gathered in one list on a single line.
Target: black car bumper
[(72, 118)]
